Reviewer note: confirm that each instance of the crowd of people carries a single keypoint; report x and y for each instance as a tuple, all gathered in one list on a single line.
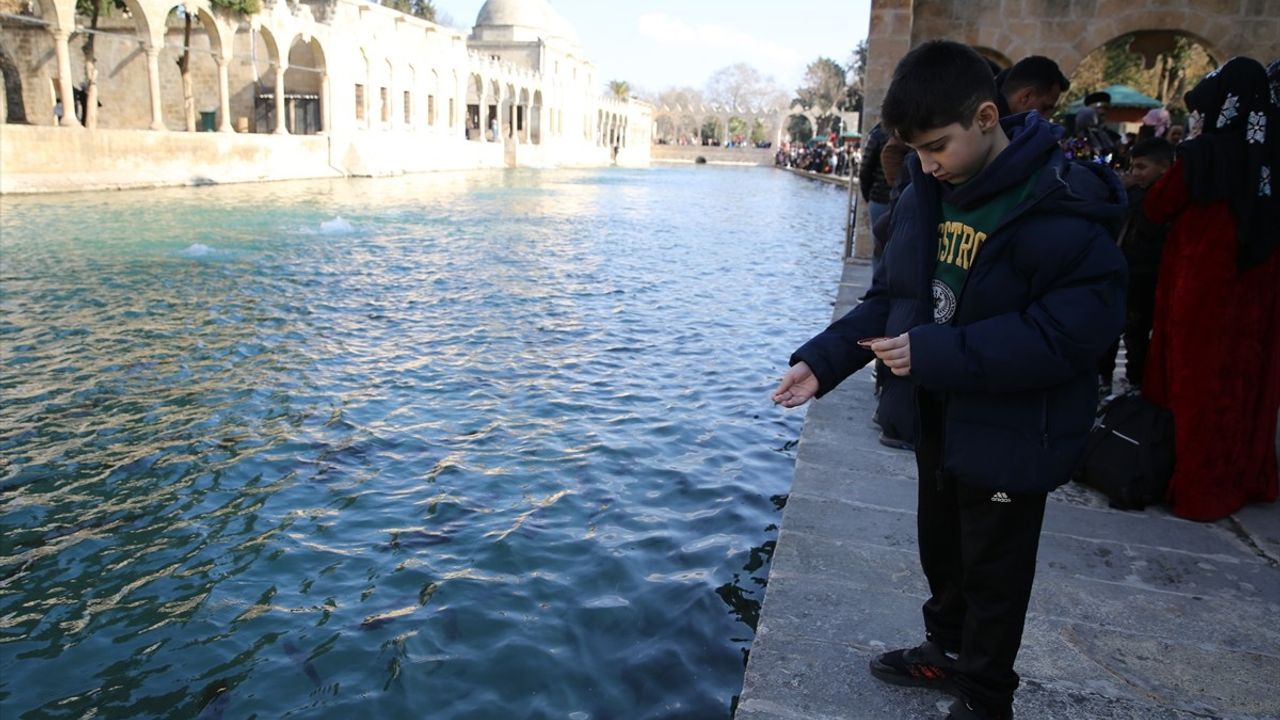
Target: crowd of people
[(1011, 258), (1173, 305), (827, 157)]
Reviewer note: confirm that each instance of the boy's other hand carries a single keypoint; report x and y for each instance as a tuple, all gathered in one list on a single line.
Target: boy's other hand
[(798, 386), (895, 353)]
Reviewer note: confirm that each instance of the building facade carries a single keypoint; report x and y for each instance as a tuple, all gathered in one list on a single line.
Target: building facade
[(299, 89)]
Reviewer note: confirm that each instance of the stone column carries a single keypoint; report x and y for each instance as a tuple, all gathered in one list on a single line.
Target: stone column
[(65, 88), (324, 102), (281, 126), (888, 39), (153, 79), (224, 93)]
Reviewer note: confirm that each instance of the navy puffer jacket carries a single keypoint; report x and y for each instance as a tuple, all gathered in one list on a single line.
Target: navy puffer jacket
[(1043, 300)]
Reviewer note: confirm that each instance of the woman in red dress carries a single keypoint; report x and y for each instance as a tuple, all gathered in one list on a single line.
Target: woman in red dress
[(1215, 347)]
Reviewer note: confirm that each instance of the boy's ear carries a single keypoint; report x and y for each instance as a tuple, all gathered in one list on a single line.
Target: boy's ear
[(988, 116)]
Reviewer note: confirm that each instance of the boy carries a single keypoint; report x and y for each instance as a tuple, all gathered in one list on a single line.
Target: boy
[(1142, 242), (1000, 290)]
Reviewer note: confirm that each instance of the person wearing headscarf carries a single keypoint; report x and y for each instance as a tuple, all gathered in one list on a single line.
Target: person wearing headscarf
[(1215, 349), (1158, 120)]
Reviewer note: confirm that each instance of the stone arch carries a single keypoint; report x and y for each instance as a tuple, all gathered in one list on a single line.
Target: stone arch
[(433, 96), (364, 90), (711, 130), (800, 128), (452, 104), (523, 110), (492, 123), (535, 118), (1150, 77), (305, 93), (994, 56), (1211, 33), (386, 88), (473, 125), (407, 95), (203, 72), (253, 78), (126, 75), (507, 122)]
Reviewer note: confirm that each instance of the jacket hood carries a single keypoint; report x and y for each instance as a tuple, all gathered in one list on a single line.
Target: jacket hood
[(1031, 141)]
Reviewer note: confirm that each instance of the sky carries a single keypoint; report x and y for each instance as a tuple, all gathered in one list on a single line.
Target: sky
[(657, 44)]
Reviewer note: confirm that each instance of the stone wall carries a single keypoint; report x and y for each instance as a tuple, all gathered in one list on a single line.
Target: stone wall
[(50, 159), (1064, 30), (690, 153)]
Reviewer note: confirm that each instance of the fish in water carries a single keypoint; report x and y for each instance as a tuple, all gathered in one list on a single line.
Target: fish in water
[(299, 658), (373, 622), (214, 700), (415, 539)]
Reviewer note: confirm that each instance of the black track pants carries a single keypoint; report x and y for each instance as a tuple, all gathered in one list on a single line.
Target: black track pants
[(978, 550)]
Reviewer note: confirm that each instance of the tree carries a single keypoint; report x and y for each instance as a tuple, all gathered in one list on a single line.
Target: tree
[(855, 76), (711, 132), (824, 91), (425, 9), (682, 101), (1175, 60), (685, 97), (799, 128), (619, 89), (741, 85)]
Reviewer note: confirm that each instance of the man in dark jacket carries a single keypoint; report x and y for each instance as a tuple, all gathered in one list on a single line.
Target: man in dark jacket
[(1033, 83), (1000, 290)]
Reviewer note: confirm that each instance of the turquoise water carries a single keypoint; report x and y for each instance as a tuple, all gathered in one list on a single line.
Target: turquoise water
[(472, 445)]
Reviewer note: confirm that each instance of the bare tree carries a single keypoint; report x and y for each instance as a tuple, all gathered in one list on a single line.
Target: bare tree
[(741, 85)]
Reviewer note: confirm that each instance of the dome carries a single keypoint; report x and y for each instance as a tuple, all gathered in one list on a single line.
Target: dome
[(528, 18)]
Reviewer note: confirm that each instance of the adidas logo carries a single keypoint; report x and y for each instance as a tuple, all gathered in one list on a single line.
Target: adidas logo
[(1001, 497)]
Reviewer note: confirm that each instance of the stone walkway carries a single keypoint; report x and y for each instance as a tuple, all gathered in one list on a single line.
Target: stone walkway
[(1134, 614)]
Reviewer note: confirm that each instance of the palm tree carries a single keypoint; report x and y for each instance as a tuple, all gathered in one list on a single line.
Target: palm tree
[(620, 89)]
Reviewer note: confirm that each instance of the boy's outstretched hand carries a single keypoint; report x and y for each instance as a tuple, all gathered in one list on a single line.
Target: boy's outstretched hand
[(798, 386)]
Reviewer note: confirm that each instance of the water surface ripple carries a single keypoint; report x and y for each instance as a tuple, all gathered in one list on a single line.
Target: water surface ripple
[(472, 445)]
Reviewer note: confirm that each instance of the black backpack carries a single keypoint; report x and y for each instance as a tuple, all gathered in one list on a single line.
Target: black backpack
[(1129, 453)]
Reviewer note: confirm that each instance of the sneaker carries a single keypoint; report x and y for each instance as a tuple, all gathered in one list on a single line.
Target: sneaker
[(893, 442), (923, 666), (960, 710)]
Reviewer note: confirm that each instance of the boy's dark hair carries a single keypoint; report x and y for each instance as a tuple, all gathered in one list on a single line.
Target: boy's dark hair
[(1158, 149), (1035, 71), (939, 83)]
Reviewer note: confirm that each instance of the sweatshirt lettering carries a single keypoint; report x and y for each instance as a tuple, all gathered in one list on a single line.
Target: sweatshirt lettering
[(958, 244)]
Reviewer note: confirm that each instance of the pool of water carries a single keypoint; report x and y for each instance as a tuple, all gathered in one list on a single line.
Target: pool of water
[(462, 445)]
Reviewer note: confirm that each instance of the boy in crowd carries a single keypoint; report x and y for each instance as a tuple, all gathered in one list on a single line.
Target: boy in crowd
[(1001, 288), (1142, 242)]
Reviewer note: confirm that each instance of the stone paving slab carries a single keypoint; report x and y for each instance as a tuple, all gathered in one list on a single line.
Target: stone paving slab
[(1134, 615)]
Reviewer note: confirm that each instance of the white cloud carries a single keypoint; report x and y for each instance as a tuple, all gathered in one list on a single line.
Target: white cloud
[(667, 30)]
